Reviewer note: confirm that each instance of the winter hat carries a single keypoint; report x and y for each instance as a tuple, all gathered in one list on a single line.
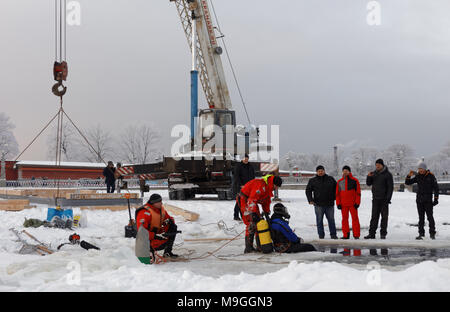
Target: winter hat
[(380, 161), (280, 209), (320, 167), (155, 198), (423, 166), (346, 167), (277, 181)]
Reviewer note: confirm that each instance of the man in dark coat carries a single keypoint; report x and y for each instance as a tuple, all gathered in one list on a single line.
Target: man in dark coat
[(284, 239), (110, 179), (243, 172), (382, 184), (427, 186), (321, 192)]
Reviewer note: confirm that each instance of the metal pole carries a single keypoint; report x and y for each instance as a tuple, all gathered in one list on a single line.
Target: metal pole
[(194, 79), (3, 174)]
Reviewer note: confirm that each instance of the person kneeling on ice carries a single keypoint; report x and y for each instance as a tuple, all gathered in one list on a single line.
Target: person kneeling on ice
[(254, 192), (283, 237), (160, 225)]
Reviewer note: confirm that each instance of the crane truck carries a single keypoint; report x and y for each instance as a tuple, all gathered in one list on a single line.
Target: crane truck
[(198, 171)]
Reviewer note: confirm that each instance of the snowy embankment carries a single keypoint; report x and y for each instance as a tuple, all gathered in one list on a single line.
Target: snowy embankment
[(115, 268)]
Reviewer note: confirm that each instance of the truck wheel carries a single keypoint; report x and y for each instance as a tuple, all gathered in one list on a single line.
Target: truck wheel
[(181, 194), (173, 195), (222, 195)]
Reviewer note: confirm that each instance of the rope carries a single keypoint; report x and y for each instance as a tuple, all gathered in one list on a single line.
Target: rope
[(231, 64), (85, 138), (211, 253), (35, 138)]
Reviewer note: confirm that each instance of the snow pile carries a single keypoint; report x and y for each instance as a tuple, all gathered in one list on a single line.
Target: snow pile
[(115, 268)]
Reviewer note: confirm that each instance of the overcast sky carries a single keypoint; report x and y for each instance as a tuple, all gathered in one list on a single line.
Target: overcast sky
[(314, 67)]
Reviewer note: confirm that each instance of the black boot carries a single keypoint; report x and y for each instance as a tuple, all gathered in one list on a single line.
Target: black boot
[(370, 236), (169, 254), (346, 236), (249, 243)]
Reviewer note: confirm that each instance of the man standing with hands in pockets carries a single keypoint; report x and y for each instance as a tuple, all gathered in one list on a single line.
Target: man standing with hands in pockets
[(321, 192), (382, 184)]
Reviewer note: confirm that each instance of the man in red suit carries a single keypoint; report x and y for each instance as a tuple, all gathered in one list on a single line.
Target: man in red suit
[(348, 199), (254, 192), (160, 225)]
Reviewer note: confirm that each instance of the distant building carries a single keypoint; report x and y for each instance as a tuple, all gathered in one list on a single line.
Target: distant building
[(48, 170)]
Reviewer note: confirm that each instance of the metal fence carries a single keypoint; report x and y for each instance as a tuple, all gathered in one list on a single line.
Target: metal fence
[(79, 184)]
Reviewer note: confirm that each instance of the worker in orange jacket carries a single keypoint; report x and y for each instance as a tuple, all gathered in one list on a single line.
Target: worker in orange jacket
[(254, 192), (160, 225), (348, 199)]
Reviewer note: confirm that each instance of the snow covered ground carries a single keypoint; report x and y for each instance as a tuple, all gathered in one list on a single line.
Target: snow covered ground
[(115, 268)]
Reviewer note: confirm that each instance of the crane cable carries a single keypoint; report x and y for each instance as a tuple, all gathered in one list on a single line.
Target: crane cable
[(229, 61)]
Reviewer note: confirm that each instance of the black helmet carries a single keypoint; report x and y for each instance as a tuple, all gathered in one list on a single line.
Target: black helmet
[(280, 209), (154, 198), (277, 181)]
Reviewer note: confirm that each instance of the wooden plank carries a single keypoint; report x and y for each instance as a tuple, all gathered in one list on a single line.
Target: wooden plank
[(112, 208), (187, 215), (11, 192), (14, 202), (102, 196)]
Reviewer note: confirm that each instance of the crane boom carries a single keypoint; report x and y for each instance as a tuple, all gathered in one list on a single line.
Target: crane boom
[(212, 76)]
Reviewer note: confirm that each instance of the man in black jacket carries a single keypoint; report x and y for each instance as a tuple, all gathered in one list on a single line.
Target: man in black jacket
[(110, 180), (382, 184), (243, 172), (426, 186), (321, 193)]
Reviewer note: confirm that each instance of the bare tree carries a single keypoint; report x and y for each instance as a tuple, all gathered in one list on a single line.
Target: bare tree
[(69, 145), (362, 159), (140, 145), (102, 145), (400, 157), (8, 143)]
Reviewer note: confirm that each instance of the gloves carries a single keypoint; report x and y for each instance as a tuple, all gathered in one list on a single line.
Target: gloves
[(435, 202), (356, 206), (339, 207), (158, 237)]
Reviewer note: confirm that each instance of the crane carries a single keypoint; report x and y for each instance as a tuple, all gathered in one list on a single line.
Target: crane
[(198, 26), (189, 175)]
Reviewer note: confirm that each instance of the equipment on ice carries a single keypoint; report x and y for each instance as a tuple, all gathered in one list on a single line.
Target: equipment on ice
[(28, 248), (142, 245), (130, 229), (74, 239), (263, 238)]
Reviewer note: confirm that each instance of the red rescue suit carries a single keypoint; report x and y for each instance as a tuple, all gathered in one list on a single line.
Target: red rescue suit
[(254, 192), (348, 194), (155, 221)]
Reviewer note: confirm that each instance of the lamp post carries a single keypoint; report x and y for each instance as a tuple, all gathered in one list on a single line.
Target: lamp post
[(3, 151)]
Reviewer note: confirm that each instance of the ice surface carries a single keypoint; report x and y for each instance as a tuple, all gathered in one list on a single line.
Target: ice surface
[(115, 268)]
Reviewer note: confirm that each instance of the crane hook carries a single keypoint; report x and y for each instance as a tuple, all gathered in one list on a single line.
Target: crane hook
[(56, 89), (60, 72)]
